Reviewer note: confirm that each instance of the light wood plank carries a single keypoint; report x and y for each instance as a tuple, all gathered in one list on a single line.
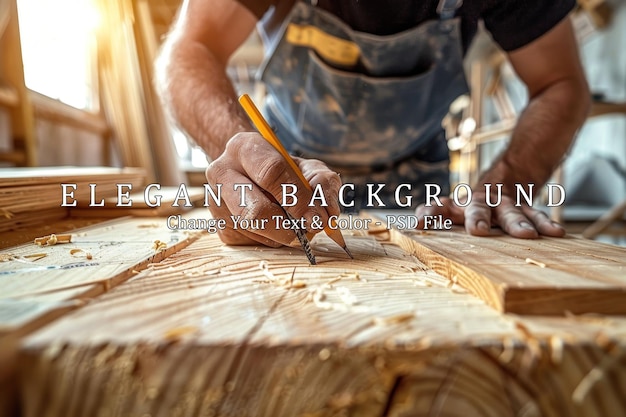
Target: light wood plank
[(39, 279), (541, 276)]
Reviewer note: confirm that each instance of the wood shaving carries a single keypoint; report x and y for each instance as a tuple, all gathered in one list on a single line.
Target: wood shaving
[(265, 269), (53, 240), (606, 343), (81, 252), (556, 350), (508, 350), (177, 333), (397, 319), (346, 296), (324, 354), (318, 296), (159, 246), (534, 262), (354, 275), (147, 226), (297, 284), (533, 351), (596, 374), (281, 282), (35, 256), (8, 257), (349, 301), (334, 280)]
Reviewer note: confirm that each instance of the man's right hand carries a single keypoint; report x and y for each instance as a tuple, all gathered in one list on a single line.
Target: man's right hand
[(250, 159)]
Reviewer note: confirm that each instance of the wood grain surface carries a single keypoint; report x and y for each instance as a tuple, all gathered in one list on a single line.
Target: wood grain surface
[(542, 276), (252, 331)]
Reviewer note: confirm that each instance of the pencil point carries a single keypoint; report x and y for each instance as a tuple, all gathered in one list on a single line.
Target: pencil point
[(345, 248)]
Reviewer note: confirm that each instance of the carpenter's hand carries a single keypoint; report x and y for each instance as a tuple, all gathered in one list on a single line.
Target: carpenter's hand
[(249, 159), (522, 222)]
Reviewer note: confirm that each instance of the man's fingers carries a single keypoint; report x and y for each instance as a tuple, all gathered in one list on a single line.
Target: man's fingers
[(247, 211), (317, 173), (513, 221), (478, 218), (543, 224), (269, 171)]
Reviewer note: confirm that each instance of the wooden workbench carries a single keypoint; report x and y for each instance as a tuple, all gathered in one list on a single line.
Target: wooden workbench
[(415, 325)]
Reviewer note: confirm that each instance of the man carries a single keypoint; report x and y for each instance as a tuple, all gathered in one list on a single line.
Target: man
[(363, 86)]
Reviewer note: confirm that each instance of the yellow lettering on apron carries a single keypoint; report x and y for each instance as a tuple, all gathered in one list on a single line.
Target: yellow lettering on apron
[(331, 48)]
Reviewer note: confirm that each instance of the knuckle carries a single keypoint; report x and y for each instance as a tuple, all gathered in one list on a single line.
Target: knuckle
[(327, 177), (238, 141), (270, 171), (252, 210), (215, 170)]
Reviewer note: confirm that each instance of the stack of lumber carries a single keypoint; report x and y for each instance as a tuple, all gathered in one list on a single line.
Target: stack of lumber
[(31, 196), (256, 331)]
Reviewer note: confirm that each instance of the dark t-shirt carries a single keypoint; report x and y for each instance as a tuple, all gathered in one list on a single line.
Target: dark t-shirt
[(512, 23)]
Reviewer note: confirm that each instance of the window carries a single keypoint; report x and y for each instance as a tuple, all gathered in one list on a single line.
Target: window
[(58, 49)]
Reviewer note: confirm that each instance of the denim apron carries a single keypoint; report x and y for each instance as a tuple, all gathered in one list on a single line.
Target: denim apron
[(374, 114)]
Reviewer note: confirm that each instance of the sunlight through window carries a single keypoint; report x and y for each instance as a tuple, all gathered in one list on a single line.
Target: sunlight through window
[(58, 41)]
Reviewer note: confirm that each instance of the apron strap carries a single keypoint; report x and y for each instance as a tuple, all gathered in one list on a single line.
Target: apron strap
[(446, 8)]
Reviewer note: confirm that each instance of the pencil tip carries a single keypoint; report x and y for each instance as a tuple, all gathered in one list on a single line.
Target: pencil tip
[(345, 248)]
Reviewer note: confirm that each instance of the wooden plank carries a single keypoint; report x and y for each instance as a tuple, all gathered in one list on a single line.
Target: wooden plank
[(10, 177), (31, 196), (254, 331), (541, 276), (41, 284), (96, 259)]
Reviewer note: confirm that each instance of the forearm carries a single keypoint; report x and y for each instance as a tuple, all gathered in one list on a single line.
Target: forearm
[(200, 97), (543, 135)]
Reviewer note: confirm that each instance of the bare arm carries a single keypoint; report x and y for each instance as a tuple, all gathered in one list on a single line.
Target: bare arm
[(199, 95), (559, 101), (192, 71)]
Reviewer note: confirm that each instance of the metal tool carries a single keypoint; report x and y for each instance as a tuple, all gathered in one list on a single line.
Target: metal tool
[(268, 134), (304, 242)]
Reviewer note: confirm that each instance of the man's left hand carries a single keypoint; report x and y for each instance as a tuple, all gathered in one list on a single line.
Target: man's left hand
[(522, 222)]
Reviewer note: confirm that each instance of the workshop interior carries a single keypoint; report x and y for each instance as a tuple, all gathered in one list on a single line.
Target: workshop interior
[(116, 309)]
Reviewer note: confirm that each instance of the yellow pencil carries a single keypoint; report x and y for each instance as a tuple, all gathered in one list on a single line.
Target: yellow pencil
[(268, 134)]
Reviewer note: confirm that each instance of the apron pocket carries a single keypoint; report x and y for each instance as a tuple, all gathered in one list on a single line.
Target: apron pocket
[(370, 118)]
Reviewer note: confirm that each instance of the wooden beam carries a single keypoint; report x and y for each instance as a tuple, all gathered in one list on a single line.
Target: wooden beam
[(12, 73), (8, 96), (59, 112)]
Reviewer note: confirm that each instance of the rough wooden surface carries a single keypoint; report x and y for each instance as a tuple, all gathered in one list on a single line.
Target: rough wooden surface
[(219, 331), (543, 276), (41, 283)]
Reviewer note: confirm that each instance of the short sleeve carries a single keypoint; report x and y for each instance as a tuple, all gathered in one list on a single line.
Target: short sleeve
[(516, 23)]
